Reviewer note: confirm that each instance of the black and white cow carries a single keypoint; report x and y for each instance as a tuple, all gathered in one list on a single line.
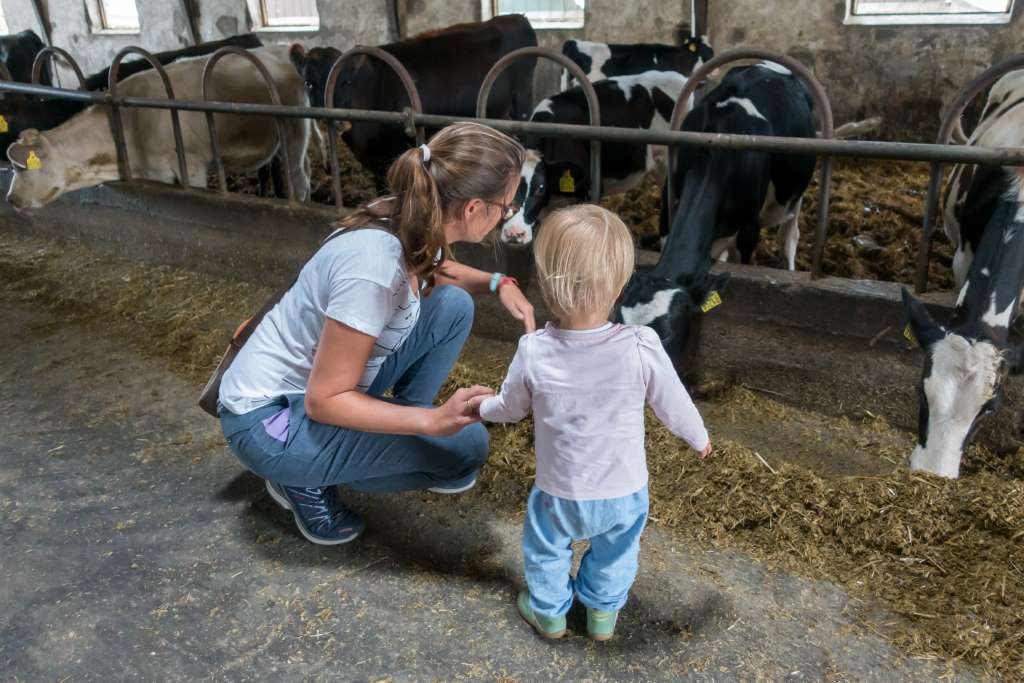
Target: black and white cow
[(726, 197), (967, 361), (561, 167), (605, 60)]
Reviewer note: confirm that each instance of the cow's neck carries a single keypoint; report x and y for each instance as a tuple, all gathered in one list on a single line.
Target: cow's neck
[(989, 301), (86, 147), (687, 249)]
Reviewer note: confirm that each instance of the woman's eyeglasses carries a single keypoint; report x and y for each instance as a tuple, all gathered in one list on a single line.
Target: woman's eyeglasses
[(507, 210)]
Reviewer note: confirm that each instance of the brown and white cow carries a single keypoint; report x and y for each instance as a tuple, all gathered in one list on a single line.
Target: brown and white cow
[(81, 153), (968, 359)]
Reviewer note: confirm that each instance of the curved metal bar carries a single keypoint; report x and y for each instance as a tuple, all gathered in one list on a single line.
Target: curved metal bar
[(123, 164), (588, 91), (51, 53), (950, 122), (415, 104), (275, 98), (821, 104), (5, 73)]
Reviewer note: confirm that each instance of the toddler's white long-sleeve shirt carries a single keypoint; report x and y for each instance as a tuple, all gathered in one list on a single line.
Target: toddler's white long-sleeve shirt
[(587, 390)]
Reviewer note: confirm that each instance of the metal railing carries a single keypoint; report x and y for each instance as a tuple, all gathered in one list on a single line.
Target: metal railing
[(414, 123)]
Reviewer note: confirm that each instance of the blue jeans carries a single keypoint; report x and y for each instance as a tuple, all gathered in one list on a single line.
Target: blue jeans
[(279, 442), (607, 570)]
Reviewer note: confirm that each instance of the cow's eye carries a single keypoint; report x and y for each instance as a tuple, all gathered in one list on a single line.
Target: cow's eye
[(539, 189)]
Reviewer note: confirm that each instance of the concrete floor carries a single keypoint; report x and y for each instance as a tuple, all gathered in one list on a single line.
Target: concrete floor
[(134, 547)]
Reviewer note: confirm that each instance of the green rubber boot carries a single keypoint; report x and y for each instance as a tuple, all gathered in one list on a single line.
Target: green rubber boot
[(601, 625), (549, 627)]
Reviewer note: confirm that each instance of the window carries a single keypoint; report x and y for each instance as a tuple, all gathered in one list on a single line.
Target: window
[(284, 15), (909, 12), (541, 13), (3, 22), (113, 16)]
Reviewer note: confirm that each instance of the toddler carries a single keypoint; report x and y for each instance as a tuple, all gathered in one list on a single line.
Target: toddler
[(586, 381)]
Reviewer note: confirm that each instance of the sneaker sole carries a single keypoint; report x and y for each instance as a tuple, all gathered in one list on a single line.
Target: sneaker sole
[(450, 492), (286, 504)]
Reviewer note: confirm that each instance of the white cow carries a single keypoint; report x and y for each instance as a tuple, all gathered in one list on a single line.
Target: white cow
[(81, 153)]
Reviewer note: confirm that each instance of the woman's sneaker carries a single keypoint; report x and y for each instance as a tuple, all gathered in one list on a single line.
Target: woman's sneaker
[(320, 516), (455, 486), (549, 627), (601, 624)]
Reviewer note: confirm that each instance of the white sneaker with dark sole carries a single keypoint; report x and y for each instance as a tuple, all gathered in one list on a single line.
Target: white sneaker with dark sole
[(452, 491)]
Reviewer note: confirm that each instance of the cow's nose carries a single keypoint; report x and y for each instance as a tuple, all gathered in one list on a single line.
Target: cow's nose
[(515, 235)]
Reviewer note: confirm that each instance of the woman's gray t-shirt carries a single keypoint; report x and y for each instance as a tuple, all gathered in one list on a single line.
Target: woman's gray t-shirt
[(358, 280)]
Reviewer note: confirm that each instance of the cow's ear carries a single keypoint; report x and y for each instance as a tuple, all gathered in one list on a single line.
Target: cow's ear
[(18, 154), (718, 282), (924, 330), (297, 54)]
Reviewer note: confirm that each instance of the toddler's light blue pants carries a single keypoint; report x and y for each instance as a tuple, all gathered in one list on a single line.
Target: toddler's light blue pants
[(608, 568)]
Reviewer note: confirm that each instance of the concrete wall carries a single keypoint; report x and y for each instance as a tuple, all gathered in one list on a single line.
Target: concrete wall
[(163, 26), (905, 74), (606, 20)]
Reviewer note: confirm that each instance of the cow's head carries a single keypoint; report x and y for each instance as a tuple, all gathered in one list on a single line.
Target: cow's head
[(672, 308), (962, 383), (39, 173), (540, 182), (314, 66), (531, 198)]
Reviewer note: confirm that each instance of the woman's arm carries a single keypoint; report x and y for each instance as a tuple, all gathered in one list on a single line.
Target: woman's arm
[(477, 281), (332, 397)]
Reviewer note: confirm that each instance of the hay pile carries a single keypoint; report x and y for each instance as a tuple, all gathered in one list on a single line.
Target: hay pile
[(947, 556)]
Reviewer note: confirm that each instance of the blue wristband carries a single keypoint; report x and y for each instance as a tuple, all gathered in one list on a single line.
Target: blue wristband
[(495, 279)]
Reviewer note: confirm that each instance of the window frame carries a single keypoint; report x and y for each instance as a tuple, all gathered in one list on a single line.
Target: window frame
[(98, 24), (928, 19), (489, 10), (258, 20)]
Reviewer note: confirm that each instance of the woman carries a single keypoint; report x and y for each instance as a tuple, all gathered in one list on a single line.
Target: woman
[(380, 307)]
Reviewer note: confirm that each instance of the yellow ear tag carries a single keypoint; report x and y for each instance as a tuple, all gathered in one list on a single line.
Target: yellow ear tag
[(3, 125), (693, 47), (566, 183), (909, 334), (33, 163), (713, 301)]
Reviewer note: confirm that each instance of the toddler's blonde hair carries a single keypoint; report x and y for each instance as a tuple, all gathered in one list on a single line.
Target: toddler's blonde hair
[(584, 257)]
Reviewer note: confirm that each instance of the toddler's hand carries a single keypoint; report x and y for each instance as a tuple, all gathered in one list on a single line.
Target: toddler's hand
[(473, 404), (706, 452)]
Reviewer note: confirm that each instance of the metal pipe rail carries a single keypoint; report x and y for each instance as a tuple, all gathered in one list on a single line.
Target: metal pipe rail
[(275, 97), (52, 53), (593, 106), (864, 149), (123, 164), (415, 106), (822, 107)]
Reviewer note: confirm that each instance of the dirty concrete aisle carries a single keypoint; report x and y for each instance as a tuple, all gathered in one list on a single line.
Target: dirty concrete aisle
[(134, 547)]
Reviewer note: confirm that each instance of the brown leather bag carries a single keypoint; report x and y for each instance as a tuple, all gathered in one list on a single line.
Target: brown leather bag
[(208, 396)]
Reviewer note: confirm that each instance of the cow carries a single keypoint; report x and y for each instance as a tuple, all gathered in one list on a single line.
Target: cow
[(81, 153), (967, 360), (448, 67), (605, 60), (726, 197), (18, 52), (22, 113), (561, 166)]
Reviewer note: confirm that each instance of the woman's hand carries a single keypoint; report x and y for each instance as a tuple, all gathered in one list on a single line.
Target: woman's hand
[(516, 303), (457, 412)]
